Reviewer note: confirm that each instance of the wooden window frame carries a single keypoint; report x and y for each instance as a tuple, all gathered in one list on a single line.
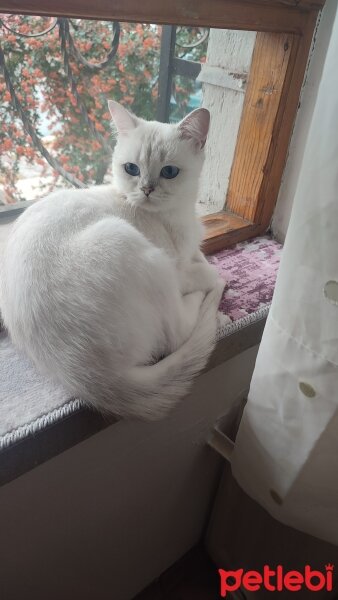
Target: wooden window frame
[(285, 31)]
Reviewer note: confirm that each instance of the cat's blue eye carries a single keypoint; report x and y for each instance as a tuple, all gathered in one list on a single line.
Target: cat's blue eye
[(132, 169), (169, 172)]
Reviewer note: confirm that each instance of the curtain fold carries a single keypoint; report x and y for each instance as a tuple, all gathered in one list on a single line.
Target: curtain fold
[(286, 452)]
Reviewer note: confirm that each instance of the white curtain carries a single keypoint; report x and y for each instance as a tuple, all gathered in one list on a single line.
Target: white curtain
[(286, 452)]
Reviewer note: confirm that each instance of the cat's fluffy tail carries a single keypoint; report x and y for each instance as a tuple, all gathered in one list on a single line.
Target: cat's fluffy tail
[(153, 390)]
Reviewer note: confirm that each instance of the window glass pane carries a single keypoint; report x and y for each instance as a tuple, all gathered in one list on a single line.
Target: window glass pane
[(57, 74), (65, 98), (191, 45)]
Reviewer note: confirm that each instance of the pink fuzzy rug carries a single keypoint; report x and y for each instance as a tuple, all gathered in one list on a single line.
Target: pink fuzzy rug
[(250, 268)]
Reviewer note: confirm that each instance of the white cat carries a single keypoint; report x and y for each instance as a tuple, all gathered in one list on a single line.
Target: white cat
[(100, 284)]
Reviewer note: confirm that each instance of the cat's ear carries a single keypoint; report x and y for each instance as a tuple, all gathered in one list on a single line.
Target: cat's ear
[(123, 119), (195, 126)]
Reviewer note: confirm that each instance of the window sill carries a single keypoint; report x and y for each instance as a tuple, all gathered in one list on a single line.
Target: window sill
[(247, 266), (224, 229)]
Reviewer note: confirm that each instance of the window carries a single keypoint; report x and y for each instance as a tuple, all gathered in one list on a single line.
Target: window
[(60, 72), (249, 184)]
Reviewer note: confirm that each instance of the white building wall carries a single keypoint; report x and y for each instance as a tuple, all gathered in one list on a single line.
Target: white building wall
[(231, 52)]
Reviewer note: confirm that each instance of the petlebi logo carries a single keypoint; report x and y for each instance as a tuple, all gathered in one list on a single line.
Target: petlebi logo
[(276, 580)]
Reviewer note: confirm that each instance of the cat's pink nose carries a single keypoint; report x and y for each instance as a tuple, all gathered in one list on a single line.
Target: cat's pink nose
[(147, 189)]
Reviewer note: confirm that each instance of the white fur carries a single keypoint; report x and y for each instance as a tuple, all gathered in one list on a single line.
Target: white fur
[(100, 284)]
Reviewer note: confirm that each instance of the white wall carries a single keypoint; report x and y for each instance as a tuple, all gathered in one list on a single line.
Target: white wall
[(231, 52), (105, 518), (282, 213)]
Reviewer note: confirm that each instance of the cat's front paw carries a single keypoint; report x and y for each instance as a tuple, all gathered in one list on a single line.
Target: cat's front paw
[(209, 278), (222, 320), (219, 287)]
